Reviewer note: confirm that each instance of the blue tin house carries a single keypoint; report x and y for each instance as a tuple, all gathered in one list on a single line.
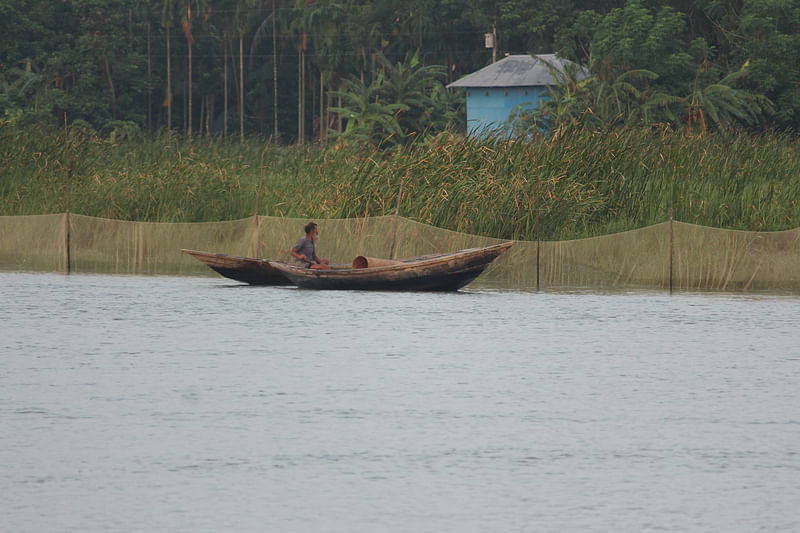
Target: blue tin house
[(494, 91)]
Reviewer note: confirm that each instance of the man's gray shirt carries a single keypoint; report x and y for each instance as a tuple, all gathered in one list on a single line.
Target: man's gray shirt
[(305, 247)]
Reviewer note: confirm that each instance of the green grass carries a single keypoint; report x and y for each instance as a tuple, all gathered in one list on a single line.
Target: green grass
[(579, 183)]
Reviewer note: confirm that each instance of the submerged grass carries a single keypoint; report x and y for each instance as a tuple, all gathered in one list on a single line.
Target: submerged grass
[(576, 184)]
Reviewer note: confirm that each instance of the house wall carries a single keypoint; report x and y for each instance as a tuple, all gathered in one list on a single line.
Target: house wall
[(488, 108)]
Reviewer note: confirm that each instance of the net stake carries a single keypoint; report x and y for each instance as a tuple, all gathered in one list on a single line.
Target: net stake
[(69, 186)]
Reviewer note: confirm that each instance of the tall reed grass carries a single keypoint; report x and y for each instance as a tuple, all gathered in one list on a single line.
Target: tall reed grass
[(574, 184)]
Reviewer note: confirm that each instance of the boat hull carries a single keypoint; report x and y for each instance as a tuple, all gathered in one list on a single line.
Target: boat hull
[(443, 272), (243, 269)]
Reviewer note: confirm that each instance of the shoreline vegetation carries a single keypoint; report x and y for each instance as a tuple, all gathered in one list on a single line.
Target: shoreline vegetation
[(573, 184)]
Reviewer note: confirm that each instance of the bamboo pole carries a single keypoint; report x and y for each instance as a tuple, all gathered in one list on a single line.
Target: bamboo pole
[(671, 244), (396, 219), (241, 87), (538, 235), (261, 176), (69, 194), (254, 242)]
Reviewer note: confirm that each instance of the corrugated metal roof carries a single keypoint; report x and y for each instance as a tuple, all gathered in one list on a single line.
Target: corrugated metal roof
[(515, 71)]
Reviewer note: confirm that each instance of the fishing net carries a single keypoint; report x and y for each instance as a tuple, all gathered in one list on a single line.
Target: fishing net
[(671, 254), (35, 243)]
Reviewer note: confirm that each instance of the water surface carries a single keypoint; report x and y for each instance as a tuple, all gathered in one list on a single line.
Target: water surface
[(190, 404)]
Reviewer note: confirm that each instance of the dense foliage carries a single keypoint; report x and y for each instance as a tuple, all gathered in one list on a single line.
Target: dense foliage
[(575, 183), (304, 69)]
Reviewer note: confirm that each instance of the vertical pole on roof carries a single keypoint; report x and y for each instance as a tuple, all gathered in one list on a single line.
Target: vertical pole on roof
[(494, 42), (69, 187)]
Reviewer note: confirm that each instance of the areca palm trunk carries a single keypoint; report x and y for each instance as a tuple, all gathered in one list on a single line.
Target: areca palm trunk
[(190, 90), (323, 125), (225, 84), (111, 86), (300, 90), (169, 83), (241, 86), (274, 72), (149, 84)]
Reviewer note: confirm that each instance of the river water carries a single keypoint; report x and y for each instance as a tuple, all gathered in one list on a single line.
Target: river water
[(166, 404)]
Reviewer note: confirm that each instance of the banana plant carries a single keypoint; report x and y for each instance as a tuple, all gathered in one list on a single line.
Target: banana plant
[(368, 119), (720, 105), (412, 84)]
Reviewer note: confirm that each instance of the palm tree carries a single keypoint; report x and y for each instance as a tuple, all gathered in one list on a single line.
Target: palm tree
[(226, 36), (306, 18), (275, 69), (243, 9), (301, 29), (291, 20), (368, 119), (186, 24), (411, 84), (227, 23), (25, 83), (405, 98), (570, 102), (602, 99), (268, 28), (167, 21), (720, 104), (324, 20), (364, 33)]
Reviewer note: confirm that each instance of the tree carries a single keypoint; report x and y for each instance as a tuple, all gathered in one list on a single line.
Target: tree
[(268, 29), (209, 32), (275, 68), (189, 7), (323, 19), (186, 24), (721, 105), (36, 59), (635, 37), (405, 99), (410, 84), (569, 103), (99, 60), (604, 101), (768, 38), (528, 27), (243, 10), (297, 26), (365, 37), (167, 21), (368, 119)]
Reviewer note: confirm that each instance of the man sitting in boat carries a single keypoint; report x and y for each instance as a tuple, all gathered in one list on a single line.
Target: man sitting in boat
[(304, 251)]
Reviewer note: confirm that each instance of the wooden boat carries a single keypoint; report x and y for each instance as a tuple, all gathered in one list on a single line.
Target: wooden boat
[(246, 269), (439, 272)]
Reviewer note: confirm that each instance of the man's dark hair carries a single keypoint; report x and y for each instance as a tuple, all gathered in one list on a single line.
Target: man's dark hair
[(309, 227)]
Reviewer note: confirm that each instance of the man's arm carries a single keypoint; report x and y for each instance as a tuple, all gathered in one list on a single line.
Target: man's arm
[(297, 255)]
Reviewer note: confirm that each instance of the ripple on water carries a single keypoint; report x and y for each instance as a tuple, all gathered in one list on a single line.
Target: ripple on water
[(164, 404)]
